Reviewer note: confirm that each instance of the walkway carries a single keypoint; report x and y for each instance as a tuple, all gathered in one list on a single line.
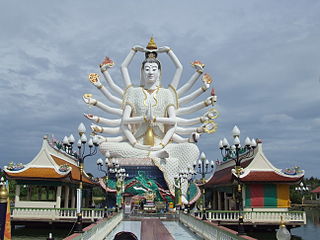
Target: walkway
[(153, 229)]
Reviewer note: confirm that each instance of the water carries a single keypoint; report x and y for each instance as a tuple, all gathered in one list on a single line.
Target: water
[(32, 233), (311, 231)]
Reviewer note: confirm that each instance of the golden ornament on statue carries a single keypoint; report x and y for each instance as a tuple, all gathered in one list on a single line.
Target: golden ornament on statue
[(151, 45)]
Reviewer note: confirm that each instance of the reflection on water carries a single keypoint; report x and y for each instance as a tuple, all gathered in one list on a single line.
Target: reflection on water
[(33, 233), (311, 231)]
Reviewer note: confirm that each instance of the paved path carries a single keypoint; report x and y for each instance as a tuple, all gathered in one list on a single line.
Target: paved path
[(153, 229)]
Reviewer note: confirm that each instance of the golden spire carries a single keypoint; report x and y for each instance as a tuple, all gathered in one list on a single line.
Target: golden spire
[(151, 45), (3, 191)]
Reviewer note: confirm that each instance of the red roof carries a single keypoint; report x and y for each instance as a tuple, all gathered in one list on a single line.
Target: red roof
[(317, 190), (224, 176), (268, 176)]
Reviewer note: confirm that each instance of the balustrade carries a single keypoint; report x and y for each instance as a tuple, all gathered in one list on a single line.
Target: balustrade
[(257, 216), (55, 213)]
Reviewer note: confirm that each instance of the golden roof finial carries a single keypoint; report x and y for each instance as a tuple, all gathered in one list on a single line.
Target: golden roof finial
[(151, 45)]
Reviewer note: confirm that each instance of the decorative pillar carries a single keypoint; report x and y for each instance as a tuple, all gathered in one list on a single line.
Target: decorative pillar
[(17, 197), (66, 196), (73, 198), (219, 200), (226, 207), (215, 199), (58, 198)]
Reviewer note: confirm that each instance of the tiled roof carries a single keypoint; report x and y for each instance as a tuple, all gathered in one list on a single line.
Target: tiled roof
[(268, 176), (75, 172), (37, 173), (317, 190), (224, 176)]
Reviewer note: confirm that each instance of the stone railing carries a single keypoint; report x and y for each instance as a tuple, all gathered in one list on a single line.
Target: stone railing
[(208, 230), (98, 230), (256, 217), (55, 213)]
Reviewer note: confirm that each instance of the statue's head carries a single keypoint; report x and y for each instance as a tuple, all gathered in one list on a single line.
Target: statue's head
[(150, 70)]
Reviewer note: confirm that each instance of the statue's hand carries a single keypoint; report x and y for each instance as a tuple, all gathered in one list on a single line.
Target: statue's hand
[(210, 100), (138, 48), (163, 49), (205, 86), (194, 137)]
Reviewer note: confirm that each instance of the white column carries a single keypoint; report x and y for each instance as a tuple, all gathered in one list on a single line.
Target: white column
[(66, 196), (58, 198), (73, 198), (17, 198)]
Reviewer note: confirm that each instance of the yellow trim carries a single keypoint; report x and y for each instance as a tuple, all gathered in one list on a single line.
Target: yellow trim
[(176, 94)]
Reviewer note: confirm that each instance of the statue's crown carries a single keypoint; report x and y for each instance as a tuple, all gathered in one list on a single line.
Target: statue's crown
[(151, 45)]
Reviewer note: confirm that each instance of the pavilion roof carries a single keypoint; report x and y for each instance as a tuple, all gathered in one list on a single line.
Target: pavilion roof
[(255, 169), (48, 165), (316, 190)]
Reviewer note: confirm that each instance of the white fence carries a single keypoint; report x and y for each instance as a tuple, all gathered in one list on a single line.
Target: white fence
[(99, 230), (209, 230), (255, 217), (55, 213)]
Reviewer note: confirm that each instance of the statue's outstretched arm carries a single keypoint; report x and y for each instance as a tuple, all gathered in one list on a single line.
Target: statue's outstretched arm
[(192, 121), (91, 101), (189, 84), (109, 122), (185, 131), (177, 63), (194, 137), (94, 79), (187, 110), (194, 94), (110, 139), (104, 66), (126, 62), (98, 129)]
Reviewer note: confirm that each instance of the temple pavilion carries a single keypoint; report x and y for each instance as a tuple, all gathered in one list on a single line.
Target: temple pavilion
[(50, 180), (265, 187)]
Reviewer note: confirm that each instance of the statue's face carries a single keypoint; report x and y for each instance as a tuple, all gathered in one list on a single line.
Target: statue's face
[(151, 72)]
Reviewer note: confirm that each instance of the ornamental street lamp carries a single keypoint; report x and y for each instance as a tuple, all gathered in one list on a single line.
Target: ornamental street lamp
[(182, 177), (100, 165), (303, 189), (121, 175), (283, 233), (238, 153), (203, 169), (81, 155)]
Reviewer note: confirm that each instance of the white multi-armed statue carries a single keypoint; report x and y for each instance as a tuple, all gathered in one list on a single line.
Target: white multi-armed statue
[(149, 120)]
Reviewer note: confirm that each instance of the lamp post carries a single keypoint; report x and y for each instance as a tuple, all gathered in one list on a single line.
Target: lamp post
[(238, 153), (81, 155), (302, 189), (121, 175), (283, 233), (100, 165), (203, 169)]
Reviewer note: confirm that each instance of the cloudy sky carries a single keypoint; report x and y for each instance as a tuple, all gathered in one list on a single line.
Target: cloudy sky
[(264, 57)]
